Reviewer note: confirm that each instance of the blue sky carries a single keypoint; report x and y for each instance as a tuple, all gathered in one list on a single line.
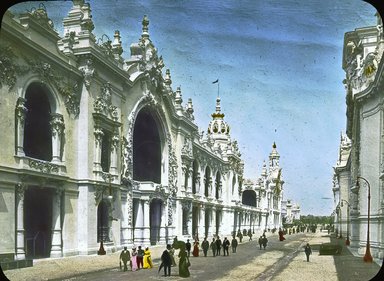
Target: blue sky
[(279, 66)]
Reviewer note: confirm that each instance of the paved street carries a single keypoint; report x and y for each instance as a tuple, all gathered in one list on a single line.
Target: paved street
[(281, 261)]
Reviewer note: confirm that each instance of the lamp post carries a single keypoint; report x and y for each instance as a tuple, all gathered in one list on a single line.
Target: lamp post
[(367, 257), (347, 242), (101, 250)]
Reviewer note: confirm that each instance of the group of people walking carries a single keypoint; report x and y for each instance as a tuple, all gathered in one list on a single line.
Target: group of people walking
[(137, 259)]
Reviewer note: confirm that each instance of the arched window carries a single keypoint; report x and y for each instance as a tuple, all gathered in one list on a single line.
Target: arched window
[(37, 131), (195, 176), (146, 148), (249, 198), (207, 181)]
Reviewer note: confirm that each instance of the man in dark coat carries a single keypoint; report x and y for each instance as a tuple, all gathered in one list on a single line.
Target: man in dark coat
[(188, 247), (234, 245), (218, 246), (261, 241), (213, 247), (308, 251), (125, 257), (265, 241), (166, 261), (226, 244), (205, 246)]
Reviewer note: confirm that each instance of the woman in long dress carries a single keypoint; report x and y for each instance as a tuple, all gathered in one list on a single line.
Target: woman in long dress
[(133, 259), (147, 259), (195, 252)]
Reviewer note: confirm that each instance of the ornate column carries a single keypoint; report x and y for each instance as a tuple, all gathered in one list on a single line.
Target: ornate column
[(114, 150), (213, 221), (201, 228), (20, 232), (56, 250), (163, 226), (125, 237), (20, 113), (138, 227), (146, 230), (57, 126), (98, 141)]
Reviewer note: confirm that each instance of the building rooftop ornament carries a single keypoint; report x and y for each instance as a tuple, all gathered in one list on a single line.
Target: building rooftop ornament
[(145, 23), (218, 129)]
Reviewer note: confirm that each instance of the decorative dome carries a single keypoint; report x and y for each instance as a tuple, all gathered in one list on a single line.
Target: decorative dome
[(218, 129)]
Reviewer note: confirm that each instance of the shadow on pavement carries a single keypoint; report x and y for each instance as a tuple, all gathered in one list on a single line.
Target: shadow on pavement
[(352, 268)]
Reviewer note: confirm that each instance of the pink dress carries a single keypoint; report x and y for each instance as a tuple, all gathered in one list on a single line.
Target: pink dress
[(133, 260)]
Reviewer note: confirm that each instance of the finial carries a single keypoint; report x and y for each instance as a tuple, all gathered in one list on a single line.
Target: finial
[(145, 24), (274, 145), (218, 107), (190, 106), (178, 98), (167, 79)]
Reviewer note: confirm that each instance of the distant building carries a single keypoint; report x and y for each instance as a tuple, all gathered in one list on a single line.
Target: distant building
[(360, 165), (99, 148), (290, 211)]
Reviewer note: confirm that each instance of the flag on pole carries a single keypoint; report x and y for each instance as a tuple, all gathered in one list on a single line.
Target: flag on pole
[(215, 81)]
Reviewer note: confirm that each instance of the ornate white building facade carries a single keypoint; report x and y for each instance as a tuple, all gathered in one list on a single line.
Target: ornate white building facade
[(101, 148), (361, 154)]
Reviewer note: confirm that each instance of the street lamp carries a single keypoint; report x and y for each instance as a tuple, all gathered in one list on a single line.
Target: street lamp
[(101, 250), (347, 242), (367, 256)]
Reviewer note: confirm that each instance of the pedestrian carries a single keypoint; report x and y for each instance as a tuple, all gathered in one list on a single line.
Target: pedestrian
[(226, 244), (234, 245), (147, 259), (240, 235), (134, 259), (195, 252), (250, 234), (218, 246), (205, 246), (125, 257), (308, 251), (213, 247), (166, 261), (172, 253), (261, 241), (140, 256), (188, 247), (265, 241), (281, 235)]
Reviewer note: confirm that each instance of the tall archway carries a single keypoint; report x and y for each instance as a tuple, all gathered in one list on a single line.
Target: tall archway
[(195, 172), (37, 130), (207, 181), (249, 198), (146, 148), (38, 222), (218, 186)]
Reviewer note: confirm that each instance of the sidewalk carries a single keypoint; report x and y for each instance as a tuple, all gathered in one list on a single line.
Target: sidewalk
[(344, 267), (62, 268)]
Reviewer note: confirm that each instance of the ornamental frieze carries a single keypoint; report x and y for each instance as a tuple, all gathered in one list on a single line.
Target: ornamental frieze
[(9, 69), (44, 167), (103, 104)]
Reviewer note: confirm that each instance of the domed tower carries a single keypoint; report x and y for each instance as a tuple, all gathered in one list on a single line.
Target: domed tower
[(274, 157), (218, 129)]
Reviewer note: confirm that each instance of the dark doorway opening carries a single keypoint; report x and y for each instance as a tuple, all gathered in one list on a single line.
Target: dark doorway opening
[(155, 220), (249, 198), (37, 130), (103, 221), (146, 149), (38, 222)]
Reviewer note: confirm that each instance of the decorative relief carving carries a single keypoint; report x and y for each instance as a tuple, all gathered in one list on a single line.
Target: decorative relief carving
[(20, 189), (9, 70), (21, 110), (68, 89), (159, 193), (103, 104), (186, 205), (41, 16), (43, 166), (88, 71), (57, 124), (170, 212), (98, 135)]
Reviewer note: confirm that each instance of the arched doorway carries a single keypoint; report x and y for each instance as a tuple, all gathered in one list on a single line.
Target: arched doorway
[(38, 222), (155, 220), (103, 221), (146, 148), (207, 181), (37, 130), (249, 198)]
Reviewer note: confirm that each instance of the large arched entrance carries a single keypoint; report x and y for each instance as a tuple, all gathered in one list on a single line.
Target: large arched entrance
[(146, 148), (37, 130), (155, 220), (249, 198), (38, 222)]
